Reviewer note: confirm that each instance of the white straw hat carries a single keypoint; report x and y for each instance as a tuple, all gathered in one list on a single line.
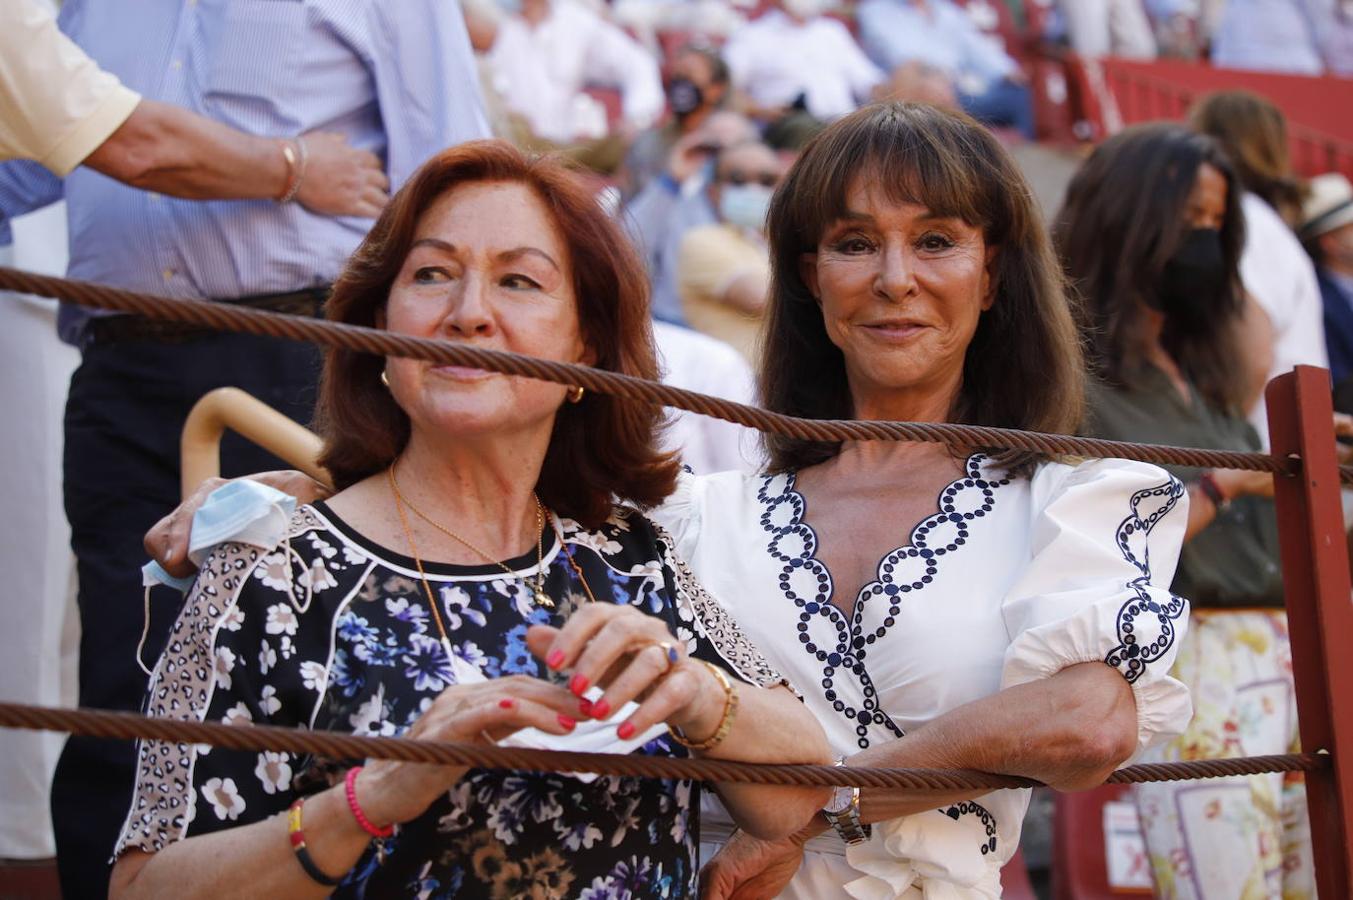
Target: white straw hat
[(1329, 206)]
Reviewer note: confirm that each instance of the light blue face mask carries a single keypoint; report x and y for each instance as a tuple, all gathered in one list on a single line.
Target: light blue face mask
[(242, 511), (744, 205)]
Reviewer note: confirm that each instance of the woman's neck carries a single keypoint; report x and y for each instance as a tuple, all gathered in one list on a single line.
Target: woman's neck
[(917, 405), (484, 494), (1154, 352)]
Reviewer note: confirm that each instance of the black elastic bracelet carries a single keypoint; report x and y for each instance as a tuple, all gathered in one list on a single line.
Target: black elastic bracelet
[(1208, 485)]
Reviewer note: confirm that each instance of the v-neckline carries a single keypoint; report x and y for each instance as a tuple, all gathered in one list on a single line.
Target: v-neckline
[(853, 617)]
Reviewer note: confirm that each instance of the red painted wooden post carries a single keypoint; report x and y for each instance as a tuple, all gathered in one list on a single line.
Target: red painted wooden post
[(1319, 610)]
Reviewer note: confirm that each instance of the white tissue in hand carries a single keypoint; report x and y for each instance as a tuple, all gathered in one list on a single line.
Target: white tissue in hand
[(590, 735)]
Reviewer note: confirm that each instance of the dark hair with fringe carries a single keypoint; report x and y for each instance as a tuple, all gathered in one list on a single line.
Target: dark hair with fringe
[(1023, 368), (602, 450), (1124, 217)]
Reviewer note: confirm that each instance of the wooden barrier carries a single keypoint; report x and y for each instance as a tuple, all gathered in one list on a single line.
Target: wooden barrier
[(1319, 610)]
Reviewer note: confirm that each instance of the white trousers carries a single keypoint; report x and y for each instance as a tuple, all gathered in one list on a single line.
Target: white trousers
[(1109, 28), (39, 638)]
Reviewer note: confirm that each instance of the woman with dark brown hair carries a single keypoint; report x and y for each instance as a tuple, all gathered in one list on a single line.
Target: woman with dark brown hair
[(938, 607), (1151, 236), (473, 579)]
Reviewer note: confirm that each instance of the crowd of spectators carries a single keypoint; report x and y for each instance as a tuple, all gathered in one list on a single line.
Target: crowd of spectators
[(687, 114)]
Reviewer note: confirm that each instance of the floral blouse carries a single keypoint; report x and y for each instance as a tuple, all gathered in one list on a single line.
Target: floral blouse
[(329, 631)]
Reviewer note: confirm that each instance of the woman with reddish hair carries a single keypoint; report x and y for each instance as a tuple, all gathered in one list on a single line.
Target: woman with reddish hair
[(474, 578)]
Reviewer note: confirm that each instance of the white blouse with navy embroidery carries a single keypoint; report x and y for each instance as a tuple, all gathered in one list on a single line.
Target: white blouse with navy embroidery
[(1009, 581)]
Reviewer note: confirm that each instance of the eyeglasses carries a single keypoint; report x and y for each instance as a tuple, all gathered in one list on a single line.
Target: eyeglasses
[(766, 179)]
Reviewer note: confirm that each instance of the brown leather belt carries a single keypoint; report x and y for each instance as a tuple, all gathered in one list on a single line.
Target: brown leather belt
[(107, 330)]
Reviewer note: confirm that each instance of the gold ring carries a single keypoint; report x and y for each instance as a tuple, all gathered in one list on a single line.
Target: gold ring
[(670, 653)]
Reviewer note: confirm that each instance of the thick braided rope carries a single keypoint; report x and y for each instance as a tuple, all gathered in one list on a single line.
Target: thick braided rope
[(126, 726), (227, 317)]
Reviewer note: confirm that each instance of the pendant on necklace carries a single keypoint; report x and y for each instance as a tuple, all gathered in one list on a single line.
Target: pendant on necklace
[(543, 599)]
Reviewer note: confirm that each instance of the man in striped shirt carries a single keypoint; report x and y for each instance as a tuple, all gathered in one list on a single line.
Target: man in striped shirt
[(396, 79)]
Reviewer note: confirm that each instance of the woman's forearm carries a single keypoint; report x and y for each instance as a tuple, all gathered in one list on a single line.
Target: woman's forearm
[(1069, 731), (209, 866), (772, 727)]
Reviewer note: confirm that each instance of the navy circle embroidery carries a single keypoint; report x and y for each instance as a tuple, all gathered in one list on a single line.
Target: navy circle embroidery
[(902, 571), (1133, 654), (969, 808)]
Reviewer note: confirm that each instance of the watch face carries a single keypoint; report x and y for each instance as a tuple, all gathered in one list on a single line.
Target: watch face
[(842, 797)]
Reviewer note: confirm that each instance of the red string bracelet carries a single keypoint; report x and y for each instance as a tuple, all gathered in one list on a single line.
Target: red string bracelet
[(350, 788)]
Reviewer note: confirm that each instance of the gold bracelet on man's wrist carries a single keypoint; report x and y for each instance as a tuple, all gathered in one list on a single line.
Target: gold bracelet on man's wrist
[(730, 710)]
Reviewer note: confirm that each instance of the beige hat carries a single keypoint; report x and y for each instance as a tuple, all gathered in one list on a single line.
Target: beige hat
[(1329, 206)]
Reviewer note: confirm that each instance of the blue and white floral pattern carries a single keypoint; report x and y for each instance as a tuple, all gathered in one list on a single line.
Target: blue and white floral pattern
[(306, 635)]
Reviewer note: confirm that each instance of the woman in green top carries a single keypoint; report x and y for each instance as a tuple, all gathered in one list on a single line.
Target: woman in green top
[(1150, 237)]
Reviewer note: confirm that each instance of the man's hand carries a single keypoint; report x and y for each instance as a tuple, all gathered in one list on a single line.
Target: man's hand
[(167, 542), (341, 180), (749, 868)]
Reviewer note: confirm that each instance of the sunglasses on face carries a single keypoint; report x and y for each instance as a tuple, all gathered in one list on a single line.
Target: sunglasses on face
[(765, 179)]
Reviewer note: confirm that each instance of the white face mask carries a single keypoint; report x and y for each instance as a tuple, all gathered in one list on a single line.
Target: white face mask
[(804, 9), (744, 205)]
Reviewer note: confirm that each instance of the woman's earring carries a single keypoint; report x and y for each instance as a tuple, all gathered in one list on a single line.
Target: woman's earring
[(385, 379), (575, 394)]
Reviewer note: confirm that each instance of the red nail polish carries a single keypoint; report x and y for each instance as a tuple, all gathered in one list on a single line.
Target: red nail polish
[(578, 684), (566, 722), (507, 703), (601, 709), (626, 730), (585, 707), (555, 659)]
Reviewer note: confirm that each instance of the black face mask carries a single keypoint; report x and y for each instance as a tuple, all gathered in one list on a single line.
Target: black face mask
[(684, 96), (1195, 285)]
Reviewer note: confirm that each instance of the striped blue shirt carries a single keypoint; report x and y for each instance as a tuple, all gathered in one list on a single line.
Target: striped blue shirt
[(396, 76)]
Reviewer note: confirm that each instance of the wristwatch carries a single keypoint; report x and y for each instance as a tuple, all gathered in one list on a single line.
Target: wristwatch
[(843, 813)]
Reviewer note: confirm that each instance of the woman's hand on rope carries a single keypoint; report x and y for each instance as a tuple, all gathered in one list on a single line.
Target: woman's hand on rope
[(1239, 483), (748, 868), (484, 713), (167, 541), (632, 656), (341, 180)]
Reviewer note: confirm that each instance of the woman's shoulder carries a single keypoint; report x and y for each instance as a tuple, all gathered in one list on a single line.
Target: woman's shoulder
[(306, 558)]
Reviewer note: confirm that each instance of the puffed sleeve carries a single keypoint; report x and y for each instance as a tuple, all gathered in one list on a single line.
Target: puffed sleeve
[(679, 514), (1104, 543)]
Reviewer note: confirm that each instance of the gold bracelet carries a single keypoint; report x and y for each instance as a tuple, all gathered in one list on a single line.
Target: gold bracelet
[(730, 710)]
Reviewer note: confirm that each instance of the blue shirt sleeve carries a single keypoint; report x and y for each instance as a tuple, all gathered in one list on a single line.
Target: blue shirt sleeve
[(24, 187), (426, 82)]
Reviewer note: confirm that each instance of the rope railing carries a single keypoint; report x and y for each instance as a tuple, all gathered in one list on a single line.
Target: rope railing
[(227, 317), (127, 726)]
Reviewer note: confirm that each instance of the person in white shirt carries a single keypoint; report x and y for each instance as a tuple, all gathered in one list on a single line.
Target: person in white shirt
[(1274, 268), (795, 54), (543, 58), (1108, 28), (698, 362)]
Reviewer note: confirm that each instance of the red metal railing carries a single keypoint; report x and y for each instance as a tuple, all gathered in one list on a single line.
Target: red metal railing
[(1112, 93)]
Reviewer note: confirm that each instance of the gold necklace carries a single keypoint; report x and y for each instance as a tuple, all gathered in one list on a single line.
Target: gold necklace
[(539, 596)]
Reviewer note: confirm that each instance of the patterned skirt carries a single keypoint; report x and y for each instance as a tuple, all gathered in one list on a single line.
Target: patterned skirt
[(1241, 838)]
